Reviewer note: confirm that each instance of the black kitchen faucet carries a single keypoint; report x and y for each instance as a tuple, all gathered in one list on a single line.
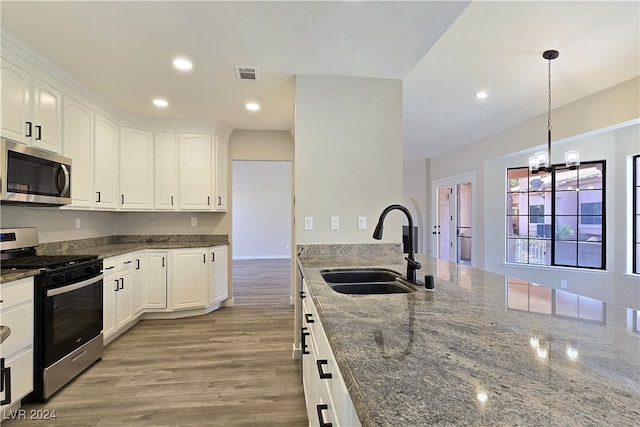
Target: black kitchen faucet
[(412, 264)]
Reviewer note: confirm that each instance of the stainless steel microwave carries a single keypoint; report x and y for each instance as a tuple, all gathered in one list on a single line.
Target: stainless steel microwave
[(34, 176)]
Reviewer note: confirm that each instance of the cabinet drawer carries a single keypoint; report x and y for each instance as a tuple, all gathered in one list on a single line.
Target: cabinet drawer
[(17, 292), (20, 320), (21, 376)]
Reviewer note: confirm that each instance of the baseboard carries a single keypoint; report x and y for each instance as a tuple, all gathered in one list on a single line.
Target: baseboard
[(297, 353)]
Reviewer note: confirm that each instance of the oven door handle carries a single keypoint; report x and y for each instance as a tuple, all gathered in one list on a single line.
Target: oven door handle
[(69, 288)]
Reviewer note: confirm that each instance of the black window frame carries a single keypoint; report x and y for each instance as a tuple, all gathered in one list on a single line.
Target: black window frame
[(635, 217), (555, 169)]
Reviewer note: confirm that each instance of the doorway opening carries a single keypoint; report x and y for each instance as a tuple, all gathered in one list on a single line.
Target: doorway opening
[(261, 219), (453, 219)]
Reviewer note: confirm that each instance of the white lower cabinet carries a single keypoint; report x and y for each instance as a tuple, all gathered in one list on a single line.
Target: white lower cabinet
[(118, 285), (16, 352), (328, 401), (190, 278), (218, 275), (155, 289), (162, 284)]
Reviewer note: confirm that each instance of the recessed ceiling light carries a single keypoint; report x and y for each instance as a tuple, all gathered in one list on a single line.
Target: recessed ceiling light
[(182, 64), (482, 95), (160, 103), (252, 106)]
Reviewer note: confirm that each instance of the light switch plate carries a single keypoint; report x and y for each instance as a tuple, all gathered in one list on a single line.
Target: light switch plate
[(308, 223), (362, 223), (335, 223)]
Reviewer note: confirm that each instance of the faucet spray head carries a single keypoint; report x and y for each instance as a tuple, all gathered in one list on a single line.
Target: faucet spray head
[(377, 233)]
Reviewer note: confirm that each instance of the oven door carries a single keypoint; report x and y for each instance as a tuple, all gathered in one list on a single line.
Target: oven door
[(72, 317)]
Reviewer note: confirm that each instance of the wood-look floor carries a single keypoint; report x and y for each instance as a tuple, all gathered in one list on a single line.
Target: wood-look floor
[(232, 367)]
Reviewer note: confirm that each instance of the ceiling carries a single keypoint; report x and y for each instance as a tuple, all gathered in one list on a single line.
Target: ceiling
[(443, 51)]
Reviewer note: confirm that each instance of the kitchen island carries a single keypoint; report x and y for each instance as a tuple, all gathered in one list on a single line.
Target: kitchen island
[(481, 349)]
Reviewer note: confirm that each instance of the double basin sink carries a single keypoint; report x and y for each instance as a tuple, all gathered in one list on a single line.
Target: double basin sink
[(366, 281)]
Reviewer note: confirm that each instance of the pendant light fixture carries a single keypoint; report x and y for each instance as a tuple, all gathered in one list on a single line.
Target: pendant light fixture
[(541, 160)]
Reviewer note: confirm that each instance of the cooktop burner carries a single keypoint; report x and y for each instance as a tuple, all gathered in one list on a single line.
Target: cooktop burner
[(45, 261)]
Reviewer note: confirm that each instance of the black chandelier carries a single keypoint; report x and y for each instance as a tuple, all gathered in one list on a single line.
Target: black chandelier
[(541, 161)]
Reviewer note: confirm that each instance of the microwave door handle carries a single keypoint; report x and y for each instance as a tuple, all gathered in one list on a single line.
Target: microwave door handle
[(67, 181)]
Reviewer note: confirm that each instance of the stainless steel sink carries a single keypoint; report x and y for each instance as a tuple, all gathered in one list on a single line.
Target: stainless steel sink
[(366, 281)]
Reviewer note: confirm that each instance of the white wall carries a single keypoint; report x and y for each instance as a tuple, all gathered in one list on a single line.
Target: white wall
[(489, 158), (348, 157), (416, 186), (261, 209)]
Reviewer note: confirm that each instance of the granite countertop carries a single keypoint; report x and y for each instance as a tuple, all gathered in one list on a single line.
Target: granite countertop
[(110, 246), (5, 331), (465, 354)]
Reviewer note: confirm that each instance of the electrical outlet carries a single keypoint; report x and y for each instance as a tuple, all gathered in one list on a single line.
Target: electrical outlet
[(362, 223), (308, 223), (335, 223), (78, 223), (563, 283), (194, 221)]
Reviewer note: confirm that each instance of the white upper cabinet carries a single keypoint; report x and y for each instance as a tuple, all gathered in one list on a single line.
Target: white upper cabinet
[(166, 167), (47, 117), (31, 109), (16, 107), (221, 173), (136, 169), (78, 145), (196, 156), (105, 164)]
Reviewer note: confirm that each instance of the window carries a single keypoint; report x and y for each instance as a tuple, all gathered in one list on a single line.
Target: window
[(565, 221), (636, 214)]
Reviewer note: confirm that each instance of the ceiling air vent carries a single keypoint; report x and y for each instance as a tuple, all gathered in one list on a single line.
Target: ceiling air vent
[(247, 74)]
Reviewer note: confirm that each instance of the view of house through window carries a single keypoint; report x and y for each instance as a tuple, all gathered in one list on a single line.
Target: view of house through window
[(557, 217)]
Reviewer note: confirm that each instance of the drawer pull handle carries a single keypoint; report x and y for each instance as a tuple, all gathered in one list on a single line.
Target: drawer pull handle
[(302, 295), (321, 408), (305, 334), (308, 317), (323, 375)]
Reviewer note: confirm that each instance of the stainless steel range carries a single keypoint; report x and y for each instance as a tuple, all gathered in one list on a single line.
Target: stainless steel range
[(67, 310)]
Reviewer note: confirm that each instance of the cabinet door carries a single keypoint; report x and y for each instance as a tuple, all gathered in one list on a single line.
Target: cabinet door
[(221, 174), (105, 164), (78, 145), (109, 301), (124, 306), (156, 275), (139, 283), (16, 109), (136, 169), (189, 278), (195, 172), (218, 277), (166, 165), (47, 117)]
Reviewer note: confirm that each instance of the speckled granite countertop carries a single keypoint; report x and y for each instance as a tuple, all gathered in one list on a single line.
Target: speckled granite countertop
[(5, 331), (110, 246), (463, 355)]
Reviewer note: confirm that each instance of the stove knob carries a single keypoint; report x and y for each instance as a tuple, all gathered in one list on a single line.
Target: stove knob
[(68, 276), (57, 278), (89, 270)]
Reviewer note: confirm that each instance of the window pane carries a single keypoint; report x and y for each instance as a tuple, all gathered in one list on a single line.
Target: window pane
[(566, 202), (589, 232), (517, 179), (590, 176), (637, 258), (539, 251), (541, 230), (566, 253), (518, 226), (536, 214), (590, 254), (566, 227), (517, 251), (517, 203)]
